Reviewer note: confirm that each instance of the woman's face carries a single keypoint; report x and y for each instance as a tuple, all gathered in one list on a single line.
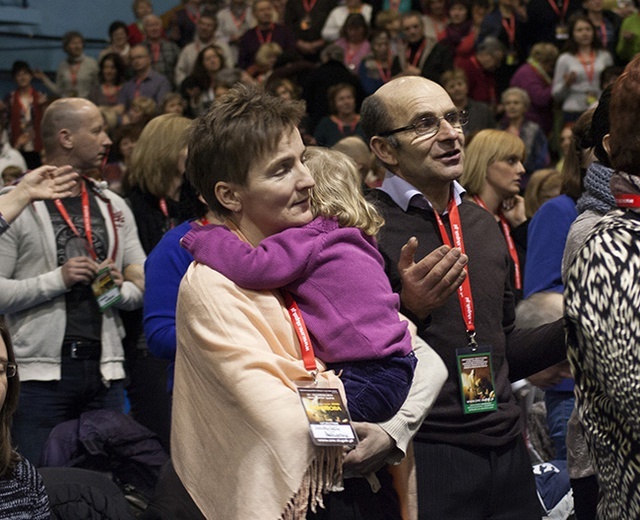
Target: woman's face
[(380, 46), (126, 148), (504, 176), (583, 33), (109, 71), (438, 8), (457, 90), (284, 92), (143, 9), (276, 196), (345, 102), (4, 381), (565, 140), (75, 48), (356, 33), (458, 14), (211, 61), (119, 37), (174, 106), (514, 106)]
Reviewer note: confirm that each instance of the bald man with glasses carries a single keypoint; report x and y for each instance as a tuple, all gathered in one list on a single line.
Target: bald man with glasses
[(471, 458)]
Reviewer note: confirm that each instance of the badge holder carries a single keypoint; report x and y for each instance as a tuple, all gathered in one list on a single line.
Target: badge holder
[(105, 289), (475, 374), (329, 419)]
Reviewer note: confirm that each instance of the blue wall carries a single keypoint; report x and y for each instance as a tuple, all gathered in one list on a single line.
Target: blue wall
[(44, 22)]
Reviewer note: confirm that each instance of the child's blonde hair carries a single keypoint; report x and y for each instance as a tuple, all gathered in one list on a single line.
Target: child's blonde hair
[(338, 191)]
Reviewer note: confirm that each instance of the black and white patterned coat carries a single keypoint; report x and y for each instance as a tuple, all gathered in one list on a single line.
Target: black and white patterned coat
[(602, 308)]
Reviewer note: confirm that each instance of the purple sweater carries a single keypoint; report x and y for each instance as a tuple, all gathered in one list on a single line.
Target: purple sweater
[(336, 276)]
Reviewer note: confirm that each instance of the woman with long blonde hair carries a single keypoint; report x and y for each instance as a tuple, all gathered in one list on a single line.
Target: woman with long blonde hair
[(492, 173)]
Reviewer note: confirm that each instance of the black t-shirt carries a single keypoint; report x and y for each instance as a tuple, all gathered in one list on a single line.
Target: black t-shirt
[(84, 319)]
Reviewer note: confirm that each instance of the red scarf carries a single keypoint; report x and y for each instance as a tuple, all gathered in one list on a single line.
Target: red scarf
[(16, 116)]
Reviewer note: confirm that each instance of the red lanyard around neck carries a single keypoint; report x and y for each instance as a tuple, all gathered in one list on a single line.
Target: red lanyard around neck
[(628, 200), (565, 6), (308, 5), (589, 66), (268, 37), (506, 231), (165, 210), (306, 347), (417, 55), (464, 291), (385, 73), (510, 28), (86, 218)]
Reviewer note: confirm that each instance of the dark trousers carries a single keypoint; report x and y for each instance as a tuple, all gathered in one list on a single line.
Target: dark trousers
[(475, 484), (585, 497), (358, 502), (45, 404)]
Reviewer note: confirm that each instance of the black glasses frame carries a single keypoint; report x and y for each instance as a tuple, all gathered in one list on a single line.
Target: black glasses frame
[(461, 119)]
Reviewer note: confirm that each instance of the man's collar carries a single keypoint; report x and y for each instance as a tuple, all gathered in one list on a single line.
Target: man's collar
[(405, 194)]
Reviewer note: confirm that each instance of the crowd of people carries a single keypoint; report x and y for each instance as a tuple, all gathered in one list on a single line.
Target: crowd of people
[(412, 181)]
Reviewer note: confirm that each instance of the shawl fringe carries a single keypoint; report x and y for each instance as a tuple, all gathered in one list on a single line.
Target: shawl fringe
[(323, 475)]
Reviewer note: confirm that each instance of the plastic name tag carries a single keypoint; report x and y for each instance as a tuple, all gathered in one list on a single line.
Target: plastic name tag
[(477, 386), (329, 420), (105, 289)]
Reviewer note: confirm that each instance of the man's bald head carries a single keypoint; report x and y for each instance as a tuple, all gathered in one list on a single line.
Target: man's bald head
[(65, 113), (73, 131), (383, 111)]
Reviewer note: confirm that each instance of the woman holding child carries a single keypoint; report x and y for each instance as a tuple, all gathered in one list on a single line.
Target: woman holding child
[(240, 439)]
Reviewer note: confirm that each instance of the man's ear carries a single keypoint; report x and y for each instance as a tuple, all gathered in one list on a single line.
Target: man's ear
[(228, 195), (606, 143), (383, 150), (65, 139)]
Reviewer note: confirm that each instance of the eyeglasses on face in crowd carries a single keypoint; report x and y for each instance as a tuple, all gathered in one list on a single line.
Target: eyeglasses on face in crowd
[(430, 125), (8, 369)]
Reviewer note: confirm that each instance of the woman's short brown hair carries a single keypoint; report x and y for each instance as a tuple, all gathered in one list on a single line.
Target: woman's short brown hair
[(241, 128)]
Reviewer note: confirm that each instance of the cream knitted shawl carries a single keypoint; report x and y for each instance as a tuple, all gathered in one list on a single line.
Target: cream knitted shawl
[(240, 439)]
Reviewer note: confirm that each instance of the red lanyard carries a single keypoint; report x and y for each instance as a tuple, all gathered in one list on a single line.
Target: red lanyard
[(86, 218), (506, 231), (136, 92), (417, 55), (238, 21), (565, 6), (165, 210), (73, 70), (510, 29), (589, 66), (308, 5), (266, 39), (194, 16), (155, 50), (464, 291), (628, 200), (306, 348), (341, 125), (603, 34), (385, 74)]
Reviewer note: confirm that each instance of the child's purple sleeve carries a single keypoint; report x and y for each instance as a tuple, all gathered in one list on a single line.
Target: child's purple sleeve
[(277, 261)]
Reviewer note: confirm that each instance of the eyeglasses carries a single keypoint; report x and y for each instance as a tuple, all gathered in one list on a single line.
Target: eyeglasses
[(8, 369), (430, 125)]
